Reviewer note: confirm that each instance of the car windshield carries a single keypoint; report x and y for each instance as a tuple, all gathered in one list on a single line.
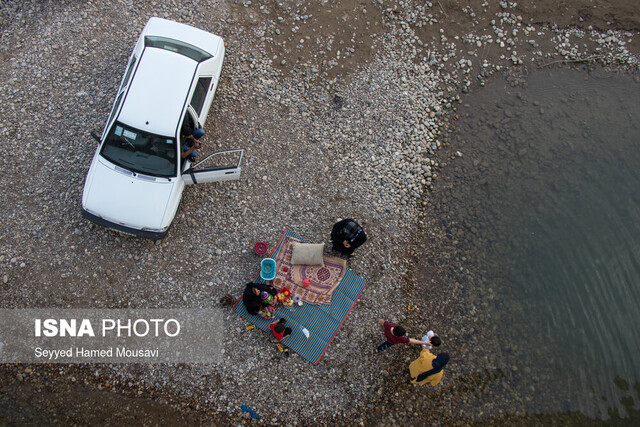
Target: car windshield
[(177, 46), (140, 151)]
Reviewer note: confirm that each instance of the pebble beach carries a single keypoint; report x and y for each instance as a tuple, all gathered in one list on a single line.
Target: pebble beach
[(343, 110)]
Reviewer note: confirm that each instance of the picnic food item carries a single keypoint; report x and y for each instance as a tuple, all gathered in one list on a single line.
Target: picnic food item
[(284, 297)]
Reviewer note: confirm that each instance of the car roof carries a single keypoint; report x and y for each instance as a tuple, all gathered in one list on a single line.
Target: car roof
[(175, 30), (163, 78)]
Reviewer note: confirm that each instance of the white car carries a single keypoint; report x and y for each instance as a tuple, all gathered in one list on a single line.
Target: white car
[(137, 175)]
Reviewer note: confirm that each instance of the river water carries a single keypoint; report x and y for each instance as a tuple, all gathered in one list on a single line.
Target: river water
[(547, 201)]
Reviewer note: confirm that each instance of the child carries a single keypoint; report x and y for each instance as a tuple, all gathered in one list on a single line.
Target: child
[(432, 339), (279, 331)]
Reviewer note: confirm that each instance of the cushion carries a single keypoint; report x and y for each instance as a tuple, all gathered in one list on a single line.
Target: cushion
[(307, 253)]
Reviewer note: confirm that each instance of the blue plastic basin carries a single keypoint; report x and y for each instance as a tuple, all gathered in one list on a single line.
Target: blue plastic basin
[(268, 268)]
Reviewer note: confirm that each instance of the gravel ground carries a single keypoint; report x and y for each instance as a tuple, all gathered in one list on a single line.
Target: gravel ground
[(341, 109)]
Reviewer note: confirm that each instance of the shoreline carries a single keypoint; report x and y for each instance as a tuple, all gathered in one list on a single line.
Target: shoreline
[(377, 134), (471, 228)]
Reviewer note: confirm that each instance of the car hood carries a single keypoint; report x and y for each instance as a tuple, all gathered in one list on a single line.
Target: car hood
[(133, 200)]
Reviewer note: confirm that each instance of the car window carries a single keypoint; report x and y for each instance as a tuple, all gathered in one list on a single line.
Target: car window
[(177, 46), (140, 151), (121, 91), (188, 124), (202, 86), (132, 65), (116, 105)]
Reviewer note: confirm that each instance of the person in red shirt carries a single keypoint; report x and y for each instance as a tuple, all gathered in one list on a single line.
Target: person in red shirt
[(279, 331), (395, 335)]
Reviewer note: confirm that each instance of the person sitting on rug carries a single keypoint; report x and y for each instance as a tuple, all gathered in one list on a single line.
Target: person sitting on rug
[(347, 236), (428, 368), (395, 335), (260, 298), (279, 331)]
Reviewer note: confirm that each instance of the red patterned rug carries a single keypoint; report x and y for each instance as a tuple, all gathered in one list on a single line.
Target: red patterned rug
[(324, 279)]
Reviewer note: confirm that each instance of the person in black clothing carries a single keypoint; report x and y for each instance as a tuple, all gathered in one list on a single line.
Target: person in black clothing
[(347, 236), (252, 299)]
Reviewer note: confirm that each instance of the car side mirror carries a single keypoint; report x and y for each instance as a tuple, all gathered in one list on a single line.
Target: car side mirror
[(95, 136)]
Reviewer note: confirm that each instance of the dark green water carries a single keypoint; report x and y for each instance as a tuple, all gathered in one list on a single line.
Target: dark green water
[(549, 194)]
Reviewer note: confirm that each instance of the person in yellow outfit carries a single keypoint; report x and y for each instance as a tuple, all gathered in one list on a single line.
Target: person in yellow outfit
[(427, 368)]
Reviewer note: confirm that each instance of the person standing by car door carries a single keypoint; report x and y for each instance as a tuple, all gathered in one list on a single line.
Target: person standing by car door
[(190, 141)]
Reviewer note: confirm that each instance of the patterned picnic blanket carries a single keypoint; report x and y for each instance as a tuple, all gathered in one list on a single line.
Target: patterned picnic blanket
[(324, 279), (322, 321)]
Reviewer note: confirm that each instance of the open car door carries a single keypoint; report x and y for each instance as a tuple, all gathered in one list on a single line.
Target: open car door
[(220, 166)]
